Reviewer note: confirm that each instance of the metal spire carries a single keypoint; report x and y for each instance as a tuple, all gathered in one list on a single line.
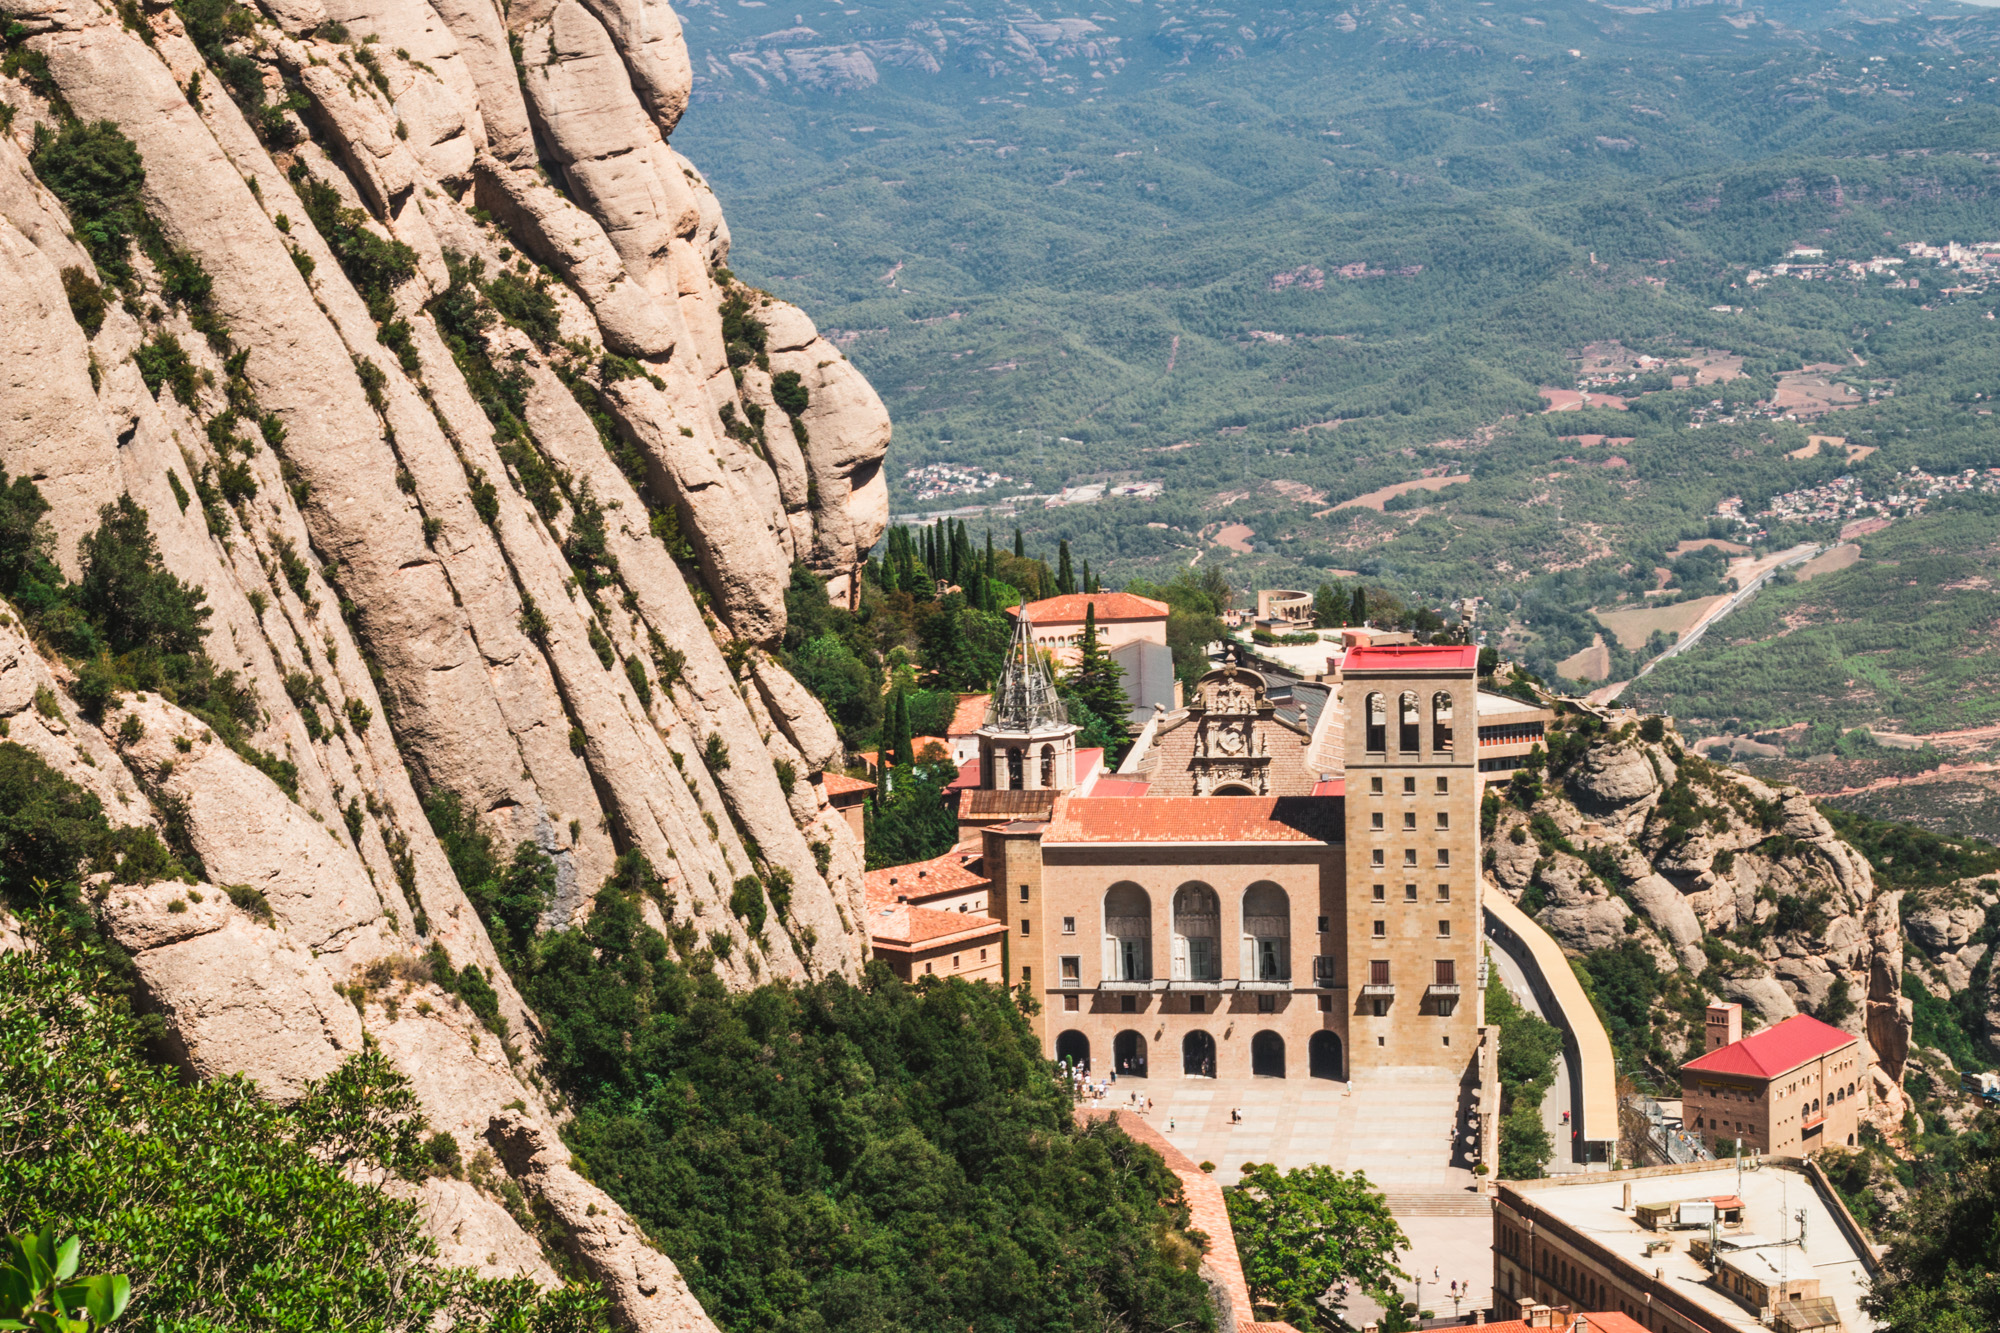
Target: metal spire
[(1026, 700)]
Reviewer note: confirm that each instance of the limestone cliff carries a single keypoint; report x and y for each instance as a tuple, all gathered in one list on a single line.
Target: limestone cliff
[(433, 377), (1734, 889)]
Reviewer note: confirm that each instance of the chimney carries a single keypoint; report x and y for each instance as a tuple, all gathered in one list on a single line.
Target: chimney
[(1479, 1318), (1725, 1025), (1628, 1197)]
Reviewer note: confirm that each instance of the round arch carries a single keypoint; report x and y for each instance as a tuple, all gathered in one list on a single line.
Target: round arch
[(1267, 1055), (1233, 789), (1128, 1054), (1128, 933), (1073, 1048), (1376, 719), (1323, 1054), (1197, 933), (1198, 1055)]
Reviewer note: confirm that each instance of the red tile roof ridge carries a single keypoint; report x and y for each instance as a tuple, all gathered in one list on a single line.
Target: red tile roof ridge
[(1109, 605), (839, 784), (906, 925), (1195, 819), (941, 874), (969, 716), (1411, 656), (1777, 1049)]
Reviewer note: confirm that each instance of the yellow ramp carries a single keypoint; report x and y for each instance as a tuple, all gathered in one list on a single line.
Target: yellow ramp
[(1577, 1017)]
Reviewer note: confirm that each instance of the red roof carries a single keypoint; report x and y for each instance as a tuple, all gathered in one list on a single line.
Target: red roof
[(1119, 787), (1110, 606), (1412, 657), (900, 926), (1211, 819), (968, 776), (1330, 787), (970, 714), (1607, 1322), (839, 784), (1776, 1050), (922, 879)]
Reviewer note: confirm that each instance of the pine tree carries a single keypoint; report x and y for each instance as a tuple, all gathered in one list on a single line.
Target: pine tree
[(1358, 611), (1065, 575), (1327, 605)]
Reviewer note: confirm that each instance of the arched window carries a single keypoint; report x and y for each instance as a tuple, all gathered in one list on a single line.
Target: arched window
[(1073, 1049), (1267, 1055), (1128, 1054), (1128, 934), (1440, 723), (1378, 725), (1198, 1055), (1267, 933), (1197, 934), (1048, 767), (1014, 777), (1407, 720)]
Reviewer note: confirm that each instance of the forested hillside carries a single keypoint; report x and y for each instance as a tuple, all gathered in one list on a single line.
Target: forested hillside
[(1280, 260)]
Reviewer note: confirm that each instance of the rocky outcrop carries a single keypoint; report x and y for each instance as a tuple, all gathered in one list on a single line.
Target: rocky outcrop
[(517, 480), (1743, 890)]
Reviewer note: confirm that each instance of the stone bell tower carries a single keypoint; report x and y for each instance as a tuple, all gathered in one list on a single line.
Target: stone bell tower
[(1028, 742), (1413, 915)]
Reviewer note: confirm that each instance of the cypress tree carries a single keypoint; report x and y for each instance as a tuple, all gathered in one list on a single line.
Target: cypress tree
[(1358, 608), (1020, 551), (1094, 681), (1065, 575), (904, 755), (1089, 583), (990, 569)]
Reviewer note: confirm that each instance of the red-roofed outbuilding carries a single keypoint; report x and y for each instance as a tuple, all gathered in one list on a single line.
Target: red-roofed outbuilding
[(1797, 1086), (1122, 618)]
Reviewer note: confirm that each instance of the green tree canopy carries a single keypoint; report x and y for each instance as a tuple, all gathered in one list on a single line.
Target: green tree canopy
[(1942, 1271), (1303, 1232)]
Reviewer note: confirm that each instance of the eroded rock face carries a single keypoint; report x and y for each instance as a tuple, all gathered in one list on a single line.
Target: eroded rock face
[(1718, 876), (416, 608)]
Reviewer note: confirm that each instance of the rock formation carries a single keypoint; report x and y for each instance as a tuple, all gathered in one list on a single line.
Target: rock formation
[(1743, 890), (494, 478)]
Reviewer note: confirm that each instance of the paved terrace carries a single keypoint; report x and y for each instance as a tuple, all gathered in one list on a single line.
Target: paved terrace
[(1406, 1129)]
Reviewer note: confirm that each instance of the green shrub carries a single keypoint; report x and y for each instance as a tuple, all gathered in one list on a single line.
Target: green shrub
[(237, 1211)]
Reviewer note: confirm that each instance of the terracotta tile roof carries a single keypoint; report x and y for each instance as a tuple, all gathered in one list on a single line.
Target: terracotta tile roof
[(1412, 657), (900, 926), (839, 784), (1004, 805), (1330, 787), (968, 776), (940, 874), (1110, 606), (1210, 819), (970, 714), (1120, 787), (1781, 1047), (1607, 1322)]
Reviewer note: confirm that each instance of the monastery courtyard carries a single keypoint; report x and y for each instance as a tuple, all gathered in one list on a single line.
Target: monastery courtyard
[(1397, 1127)]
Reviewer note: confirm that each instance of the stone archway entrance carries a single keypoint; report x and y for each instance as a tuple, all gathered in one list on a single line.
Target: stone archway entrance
[(1073, 1049), (1267, 1055), (1198, 1055), (1323, 1053), (1128, 1054)]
